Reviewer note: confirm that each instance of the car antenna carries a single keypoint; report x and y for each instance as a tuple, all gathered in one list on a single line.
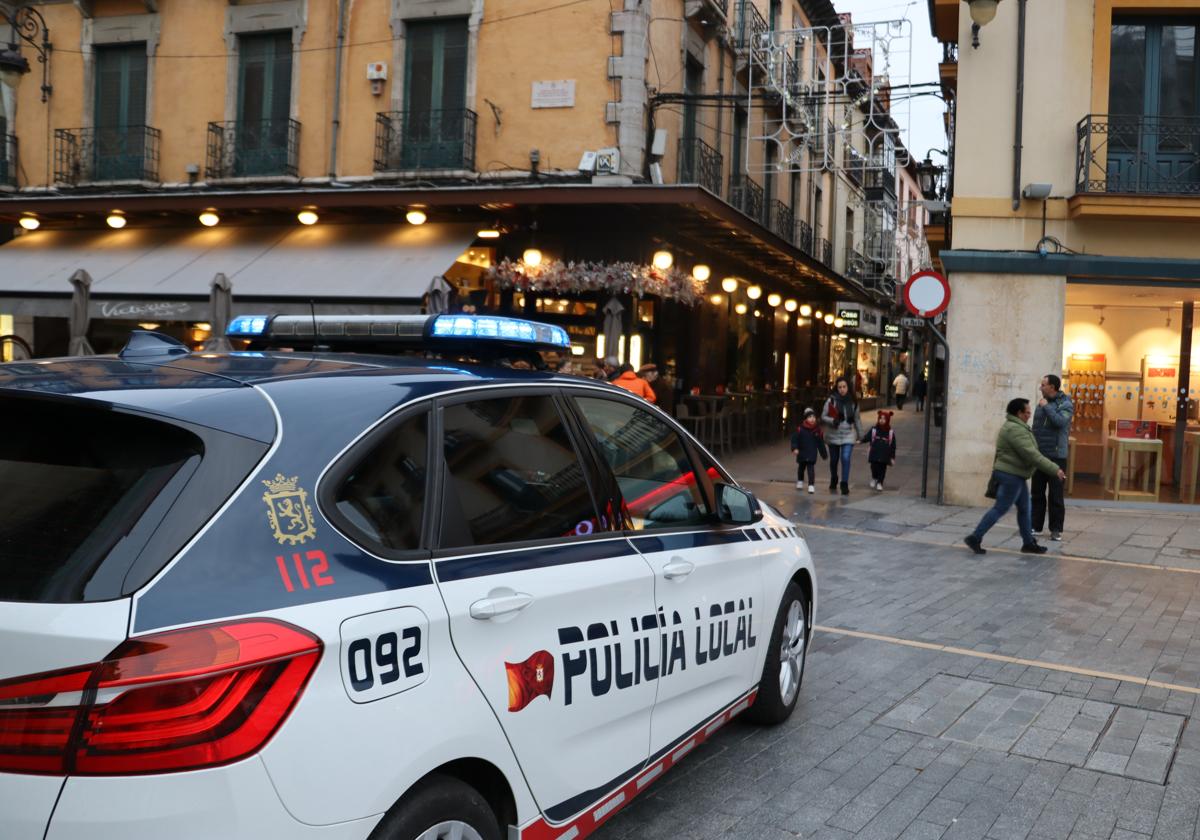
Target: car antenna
[(312, 308)]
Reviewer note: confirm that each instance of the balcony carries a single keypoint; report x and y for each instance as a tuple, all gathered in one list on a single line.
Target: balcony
[(104, 155), (706, 11), (253, 149), (8, 160), (780, 219), (824, 251), (410, 141), (700, 163), (750, 28), (746, 195), (855, 264), (878, 179), (1138, 155), (804, 236), (854, 165)]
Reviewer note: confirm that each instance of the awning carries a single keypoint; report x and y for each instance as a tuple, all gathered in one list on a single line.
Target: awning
[(384, 266)]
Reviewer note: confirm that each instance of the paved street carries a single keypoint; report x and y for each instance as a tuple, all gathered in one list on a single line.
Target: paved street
[(949, 696)]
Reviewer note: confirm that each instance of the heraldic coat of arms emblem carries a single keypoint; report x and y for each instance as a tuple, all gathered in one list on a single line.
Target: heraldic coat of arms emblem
[(287, 510)]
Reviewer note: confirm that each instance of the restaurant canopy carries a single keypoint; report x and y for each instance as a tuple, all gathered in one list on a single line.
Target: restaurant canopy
[(387, 267)]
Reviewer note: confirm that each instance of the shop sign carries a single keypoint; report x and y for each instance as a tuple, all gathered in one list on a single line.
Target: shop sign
[(849, 317), (131, 310), (559, 93), (864, 319), (890, 330), (1160, 373), (913, 323), (1143, 429)]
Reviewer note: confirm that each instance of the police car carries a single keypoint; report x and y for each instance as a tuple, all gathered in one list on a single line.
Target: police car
[(309, 594)]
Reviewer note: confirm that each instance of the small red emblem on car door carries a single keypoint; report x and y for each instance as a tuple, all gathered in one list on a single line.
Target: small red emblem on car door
[(529, 679)]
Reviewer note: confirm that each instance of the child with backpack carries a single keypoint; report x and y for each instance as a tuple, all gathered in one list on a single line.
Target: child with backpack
[(882, 452), (808, 442)]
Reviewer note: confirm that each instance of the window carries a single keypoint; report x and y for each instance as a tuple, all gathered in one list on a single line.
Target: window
[(120, 113), (512, 474), (435, 95), (264, 103), (383, 497), (650, 463)]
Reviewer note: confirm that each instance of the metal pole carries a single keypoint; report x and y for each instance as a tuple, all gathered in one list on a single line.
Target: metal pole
[(928, 417), (941, 339), (1184, 386)]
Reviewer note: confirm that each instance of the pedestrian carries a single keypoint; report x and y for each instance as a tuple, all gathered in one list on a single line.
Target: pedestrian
[(808, 443), (840, 414), (1016, 459), (1052, 429), (882, 452), (920, 388), (664, 392), (900, 383), (633, 383), (602, 370)]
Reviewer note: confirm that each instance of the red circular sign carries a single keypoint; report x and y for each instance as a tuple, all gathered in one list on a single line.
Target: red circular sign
[(927, 294)]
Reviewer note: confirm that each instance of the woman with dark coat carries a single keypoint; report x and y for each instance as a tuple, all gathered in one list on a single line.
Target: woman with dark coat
[(843, 430)]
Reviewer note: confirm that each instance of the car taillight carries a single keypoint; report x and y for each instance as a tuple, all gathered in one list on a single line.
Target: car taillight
[(178, 700)]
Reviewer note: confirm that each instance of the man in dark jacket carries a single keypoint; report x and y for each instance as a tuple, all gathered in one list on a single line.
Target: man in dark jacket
[(1052, 429)]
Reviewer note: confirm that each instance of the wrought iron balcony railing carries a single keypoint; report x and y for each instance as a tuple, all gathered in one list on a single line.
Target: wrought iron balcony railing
[(750, 28), (781, 219), (1138, 155), (702, 8), (746, 195), (804, 236), (854, 164), (8, 160), (700, 163), (824, 251), (113, 153), (855, 264), (425, 140), (253, 148)]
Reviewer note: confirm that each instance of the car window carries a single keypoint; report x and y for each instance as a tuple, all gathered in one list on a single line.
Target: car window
[(512, 474), (649, 461), (383, 497)]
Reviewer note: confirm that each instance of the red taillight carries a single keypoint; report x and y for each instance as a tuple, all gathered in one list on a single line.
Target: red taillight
[(172, 701)]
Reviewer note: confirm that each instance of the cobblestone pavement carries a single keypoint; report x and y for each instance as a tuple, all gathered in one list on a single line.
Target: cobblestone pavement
[(947, 696)]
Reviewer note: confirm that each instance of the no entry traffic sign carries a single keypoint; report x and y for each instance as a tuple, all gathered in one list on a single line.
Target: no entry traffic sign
[(927, 294)]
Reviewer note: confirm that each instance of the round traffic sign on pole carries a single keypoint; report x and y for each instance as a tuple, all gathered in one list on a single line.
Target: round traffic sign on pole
[(927, 294)]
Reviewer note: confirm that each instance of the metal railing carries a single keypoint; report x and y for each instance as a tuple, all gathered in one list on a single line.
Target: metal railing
[(1138, 155), (804, 236), (746, 195), (749, 26), (116, 153), (425, 140), (700, 163), (696, 8), (781, 219), (855, 263), (878, 176), (8, 160), (854, 164), (824, 251), (253, 148)]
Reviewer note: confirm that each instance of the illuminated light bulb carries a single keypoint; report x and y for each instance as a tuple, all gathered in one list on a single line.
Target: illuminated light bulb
[(30, 222), (790, 305), (209, 218), (740, 309), (116, 219), (663, 260), (717, 300), (805, 311), (818, 315), (701, 272), (416, 217), (754, 292), (829, 318), (488, 233), (839, 323), (532, 257), (307, 217), (774, 299), (729, 284)]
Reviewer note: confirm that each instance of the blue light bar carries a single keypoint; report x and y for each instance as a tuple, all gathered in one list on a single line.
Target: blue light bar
[(502, 329), (246, 326)]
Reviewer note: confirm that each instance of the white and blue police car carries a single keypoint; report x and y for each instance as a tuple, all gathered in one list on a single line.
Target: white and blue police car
[(314, 594)]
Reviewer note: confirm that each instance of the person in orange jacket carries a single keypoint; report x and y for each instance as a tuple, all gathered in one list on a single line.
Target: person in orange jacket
[(633, 383)]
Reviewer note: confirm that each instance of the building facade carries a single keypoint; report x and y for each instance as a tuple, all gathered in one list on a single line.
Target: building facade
[(1074, 213), (342, 155)]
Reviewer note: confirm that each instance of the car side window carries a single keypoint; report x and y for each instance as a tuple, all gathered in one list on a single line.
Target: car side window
[(383, 496), (652, 468), (512, 474)]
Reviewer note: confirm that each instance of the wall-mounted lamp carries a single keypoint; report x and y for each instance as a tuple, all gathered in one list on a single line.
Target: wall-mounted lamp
[(982, 13), (26, 23)]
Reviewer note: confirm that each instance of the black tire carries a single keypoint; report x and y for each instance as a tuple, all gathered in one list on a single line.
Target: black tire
[(434, 800), (771, 706)]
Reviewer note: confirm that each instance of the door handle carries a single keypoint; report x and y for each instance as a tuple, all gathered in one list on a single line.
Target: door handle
[(499, 604), (678, 568)]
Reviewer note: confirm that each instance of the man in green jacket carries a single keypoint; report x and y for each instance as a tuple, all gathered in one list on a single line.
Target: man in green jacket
[(1017, 458)]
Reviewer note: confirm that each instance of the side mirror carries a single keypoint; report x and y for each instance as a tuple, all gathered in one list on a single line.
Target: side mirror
[(736, 506)]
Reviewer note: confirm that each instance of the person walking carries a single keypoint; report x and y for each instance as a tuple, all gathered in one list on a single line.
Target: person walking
[(840, 415), (808, 443), (1052, 429), (882, 452), (920, 388), (1017, 457), (633, 383), (900, 384)]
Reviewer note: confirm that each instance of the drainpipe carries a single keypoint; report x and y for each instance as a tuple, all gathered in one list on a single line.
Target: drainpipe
[(337, 89), (1016, 188)]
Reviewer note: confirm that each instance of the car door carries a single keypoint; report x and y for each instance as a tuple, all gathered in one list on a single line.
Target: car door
[(708, 579), (551, 610)]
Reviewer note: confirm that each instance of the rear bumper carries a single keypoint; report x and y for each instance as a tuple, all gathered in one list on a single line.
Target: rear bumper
[(26, 803), (236, 802)]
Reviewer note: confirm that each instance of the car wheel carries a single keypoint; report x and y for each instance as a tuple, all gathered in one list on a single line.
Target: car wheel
[(439, 808), (784, 669)]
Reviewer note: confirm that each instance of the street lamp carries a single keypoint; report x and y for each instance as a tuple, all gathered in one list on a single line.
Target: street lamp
[(26, 23), (929, 173), (982, 13)]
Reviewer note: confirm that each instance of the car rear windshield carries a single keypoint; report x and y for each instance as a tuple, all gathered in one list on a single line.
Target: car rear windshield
[(77, 486)]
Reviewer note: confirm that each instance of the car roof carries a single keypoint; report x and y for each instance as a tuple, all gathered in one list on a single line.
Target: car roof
[(212, 389)]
